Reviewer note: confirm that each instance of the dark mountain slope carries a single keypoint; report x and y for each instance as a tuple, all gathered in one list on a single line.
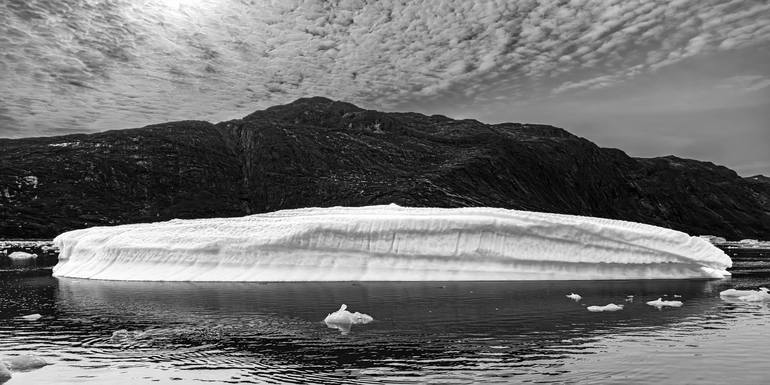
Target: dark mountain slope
[(316, 152)]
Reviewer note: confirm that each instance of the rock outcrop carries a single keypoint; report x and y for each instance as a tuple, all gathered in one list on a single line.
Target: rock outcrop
[(319, 152)]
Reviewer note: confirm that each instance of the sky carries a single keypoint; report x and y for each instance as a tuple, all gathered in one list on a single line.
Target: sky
[(651, 77)]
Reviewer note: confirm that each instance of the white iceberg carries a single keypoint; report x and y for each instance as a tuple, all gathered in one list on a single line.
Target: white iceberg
[(21, 256), (387, 243), (608, 307), (342, 319), (574, 297), (761, 295), (660, 303)]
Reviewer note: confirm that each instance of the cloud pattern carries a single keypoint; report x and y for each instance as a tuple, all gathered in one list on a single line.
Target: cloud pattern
[(83, 65)]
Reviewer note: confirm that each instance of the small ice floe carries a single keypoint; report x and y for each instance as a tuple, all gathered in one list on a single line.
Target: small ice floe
[(31, 317), (629, 298), (23, 363), (608, 307), (574, 297), (660, 303), (21, 256), (761, 295), (122, 335), (342, 319)]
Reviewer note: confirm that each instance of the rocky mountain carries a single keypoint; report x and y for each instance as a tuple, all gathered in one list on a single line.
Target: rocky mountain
[(319, 152)]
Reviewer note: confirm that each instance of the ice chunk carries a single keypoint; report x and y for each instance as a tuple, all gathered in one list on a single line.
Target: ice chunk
[(574, 297), (5, 374), (387, 243), (757, 296), (122, 335), (660, 303), (761, 295), (608, 307), (24, 363), (31, 317), (342, 319), (21, 256)]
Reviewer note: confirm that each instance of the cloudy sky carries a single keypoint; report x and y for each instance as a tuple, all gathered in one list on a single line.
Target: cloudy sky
[(684, 77)]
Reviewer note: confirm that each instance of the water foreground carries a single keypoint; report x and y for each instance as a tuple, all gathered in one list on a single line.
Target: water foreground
[(451, 332)]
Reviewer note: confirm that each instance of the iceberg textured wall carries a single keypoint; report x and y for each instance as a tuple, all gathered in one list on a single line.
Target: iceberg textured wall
[(387, 243)]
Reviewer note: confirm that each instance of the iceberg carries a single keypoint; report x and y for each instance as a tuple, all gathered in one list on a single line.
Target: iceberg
[(660, 303), (387, 243), (342, 319), (608, 307)]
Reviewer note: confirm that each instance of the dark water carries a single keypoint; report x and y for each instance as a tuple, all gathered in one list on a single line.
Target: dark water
[(467, 332)]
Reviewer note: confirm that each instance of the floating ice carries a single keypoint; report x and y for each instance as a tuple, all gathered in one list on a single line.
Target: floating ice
[(122, 335), (761, 295), (31, 317), (342, 319), (24, 363), (574, 297), (608, 307), (387, 243), (660, 303), (21, 256)]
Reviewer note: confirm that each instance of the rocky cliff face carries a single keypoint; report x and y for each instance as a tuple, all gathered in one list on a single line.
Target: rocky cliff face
[(318, 152)]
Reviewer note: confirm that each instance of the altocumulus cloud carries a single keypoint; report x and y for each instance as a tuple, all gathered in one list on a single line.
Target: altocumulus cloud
[(81, 65)]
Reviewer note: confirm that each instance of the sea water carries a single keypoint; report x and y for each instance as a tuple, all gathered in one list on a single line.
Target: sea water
[(449, 332)]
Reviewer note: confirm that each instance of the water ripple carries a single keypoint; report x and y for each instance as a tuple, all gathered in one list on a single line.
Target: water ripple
[(492, 332)]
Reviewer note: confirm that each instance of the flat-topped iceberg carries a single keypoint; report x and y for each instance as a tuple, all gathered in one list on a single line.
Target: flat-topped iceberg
[(387, 243)]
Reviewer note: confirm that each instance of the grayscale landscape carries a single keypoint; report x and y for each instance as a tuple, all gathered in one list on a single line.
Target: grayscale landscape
[(353, 191)]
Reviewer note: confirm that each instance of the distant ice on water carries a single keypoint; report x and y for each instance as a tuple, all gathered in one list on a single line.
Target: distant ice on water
[(31, 317), (574, 297), (660, 303), (343, 320), (21, 256), (761, 295), (608, 307)]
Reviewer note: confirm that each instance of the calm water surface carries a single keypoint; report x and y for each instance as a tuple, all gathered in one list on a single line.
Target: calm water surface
[(466, 332)]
